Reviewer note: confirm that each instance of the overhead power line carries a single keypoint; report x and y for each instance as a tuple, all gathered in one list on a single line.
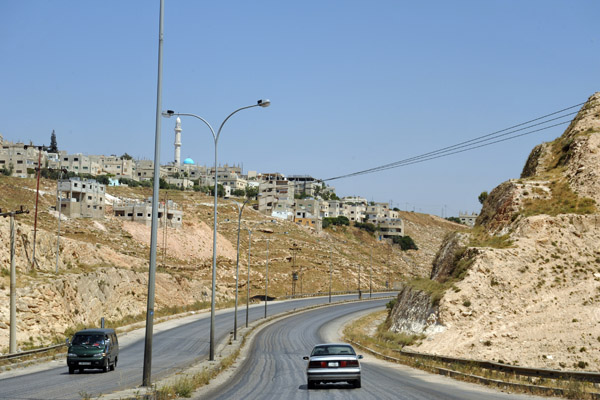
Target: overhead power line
[(475, 143)]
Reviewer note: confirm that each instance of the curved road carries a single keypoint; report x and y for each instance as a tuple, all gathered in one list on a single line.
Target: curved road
[(273, 367), (173, 349)]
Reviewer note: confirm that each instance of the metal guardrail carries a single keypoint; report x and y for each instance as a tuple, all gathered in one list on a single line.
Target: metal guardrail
[(29, 352), (365, 294), (592, 377)]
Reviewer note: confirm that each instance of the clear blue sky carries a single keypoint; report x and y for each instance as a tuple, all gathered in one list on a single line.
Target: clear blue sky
[(353, 84)]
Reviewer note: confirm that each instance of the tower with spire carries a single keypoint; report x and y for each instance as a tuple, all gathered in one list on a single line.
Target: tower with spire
[(178, 141)]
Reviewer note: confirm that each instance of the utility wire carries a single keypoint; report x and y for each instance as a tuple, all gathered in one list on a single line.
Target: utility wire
[(472, 148), (470, 144)]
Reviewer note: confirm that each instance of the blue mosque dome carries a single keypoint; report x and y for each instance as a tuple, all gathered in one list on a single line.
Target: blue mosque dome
[(188, 161)]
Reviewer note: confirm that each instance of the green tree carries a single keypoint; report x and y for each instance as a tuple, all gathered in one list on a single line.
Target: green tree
[(454, 219), (53, 145), (103, 179), (366, 226), (7, 170), (405, 242), (251, 191), (338, 221), (126, 156), (482, 197), (220, 190)]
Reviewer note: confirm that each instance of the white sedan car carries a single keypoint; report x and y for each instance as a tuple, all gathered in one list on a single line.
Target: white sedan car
[(333, 362)]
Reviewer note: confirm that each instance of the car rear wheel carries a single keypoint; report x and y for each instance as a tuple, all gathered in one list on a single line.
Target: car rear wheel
[(71, 370), (114, 365), (311, 384), (357, 384)]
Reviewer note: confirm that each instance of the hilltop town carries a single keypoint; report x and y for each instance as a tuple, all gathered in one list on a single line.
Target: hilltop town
[(302, 199)]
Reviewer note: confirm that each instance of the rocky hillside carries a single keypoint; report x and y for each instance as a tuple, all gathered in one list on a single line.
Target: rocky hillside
[(524, 286), (103, 264)]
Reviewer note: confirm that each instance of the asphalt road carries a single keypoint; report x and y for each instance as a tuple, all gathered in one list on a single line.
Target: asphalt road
[(273, 367), (173, 350)]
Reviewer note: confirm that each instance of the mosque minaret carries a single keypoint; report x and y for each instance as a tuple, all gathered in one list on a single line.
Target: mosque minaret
[(178, 141)]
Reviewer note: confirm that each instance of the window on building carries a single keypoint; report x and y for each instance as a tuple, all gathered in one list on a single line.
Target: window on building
[(140, 214), (76, 159)]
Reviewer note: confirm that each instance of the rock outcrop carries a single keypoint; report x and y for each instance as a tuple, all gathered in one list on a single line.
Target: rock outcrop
[(529, 292), (415, 313)]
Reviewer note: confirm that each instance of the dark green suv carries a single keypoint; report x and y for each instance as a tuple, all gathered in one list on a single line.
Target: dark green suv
[(93, 349)]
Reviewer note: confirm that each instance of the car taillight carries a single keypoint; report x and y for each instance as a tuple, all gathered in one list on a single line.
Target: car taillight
[(349, 363), (315, 364), (323, 364)]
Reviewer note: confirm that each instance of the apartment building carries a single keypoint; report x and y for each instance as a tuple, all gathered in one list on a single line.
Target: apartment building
[(193, 171), (307, 206), (117, 166), (335, 208), (20, 157), (144, 170), (181, 183), (141, 212), (306, 213), (354, 212), (275, 195), (468, 219), (304, 184), (355, 200), (82, 198), (229, 178), (390, 227), (80, 164)]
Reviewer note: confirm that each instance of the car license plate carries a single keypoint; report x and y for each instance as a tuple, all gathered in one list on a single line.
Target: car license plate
[(333, 364), (85, 363)]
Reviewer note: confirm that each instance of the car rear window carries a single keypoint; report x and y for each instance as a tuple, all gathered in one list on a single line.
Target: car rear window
[(333, 350)]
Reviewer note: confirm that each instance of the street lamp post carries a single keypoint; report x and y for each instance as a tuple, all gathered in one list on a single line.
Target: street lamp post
[(169, 113), (359, 293), (267, 280), (294, 249), (237, 265), (371, 276), (330, 273), (248, 279)]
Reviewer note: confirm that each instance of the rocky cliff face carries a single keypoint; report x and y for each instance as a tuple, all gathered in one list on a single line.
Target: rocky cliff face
[(536, 301), (415, 313)]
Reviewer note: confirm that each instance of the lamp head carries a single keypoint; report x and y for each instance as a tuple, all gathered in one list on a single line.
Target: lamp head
[(168, 113), (264, 103)]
